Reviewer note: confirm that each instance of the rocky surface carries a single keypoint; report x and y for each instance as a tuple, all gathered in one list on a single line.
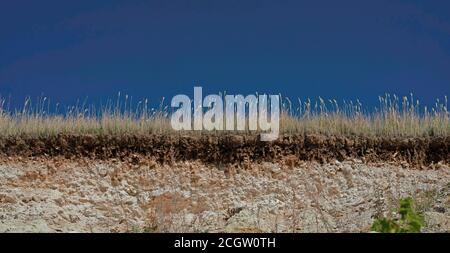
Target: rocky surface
[(141, 195)]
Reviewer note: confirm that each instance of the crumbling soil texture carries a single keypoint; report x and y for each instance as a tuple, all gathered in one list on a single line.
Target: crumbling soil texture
[(232, 149)]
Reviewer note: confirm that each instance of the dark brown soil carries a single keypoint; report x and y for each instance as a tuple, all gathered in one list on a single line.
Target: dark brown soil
[(233, 148)]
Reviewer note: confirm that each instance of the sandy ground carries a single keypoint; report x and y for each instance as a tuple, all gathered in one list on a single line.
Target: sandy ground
[(58, 195)]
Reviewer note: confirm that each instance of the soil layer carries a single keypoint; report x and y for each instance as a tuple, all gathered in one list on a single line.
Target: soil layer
[(227, 148), (85, 195)]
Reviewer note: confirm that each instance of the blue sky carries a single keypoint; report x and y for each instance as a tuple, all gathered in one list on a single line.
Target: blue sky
[(69, 50)]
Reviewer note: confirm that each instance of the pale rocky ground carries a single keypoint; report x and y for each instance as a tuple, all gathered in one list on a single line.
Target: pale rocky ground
[(58, 195)]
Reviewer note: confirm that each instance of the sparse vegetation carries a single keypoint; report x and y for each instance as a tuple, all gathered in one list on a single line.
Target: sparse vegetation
[(395, 116), (408, 222)]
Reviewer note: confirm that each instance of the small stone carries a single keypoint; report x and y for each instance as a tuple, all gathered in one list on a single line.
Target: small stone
[(439, 209), (27, 199), (7, 199)]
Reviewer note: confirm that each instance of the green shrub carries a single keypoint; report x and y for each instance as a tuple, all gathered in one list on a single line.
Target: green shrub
[(408, 222)]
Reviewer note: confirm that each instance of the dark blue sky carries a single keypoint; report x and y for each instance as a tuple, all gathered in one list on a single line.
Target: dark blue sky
[(68, 50)]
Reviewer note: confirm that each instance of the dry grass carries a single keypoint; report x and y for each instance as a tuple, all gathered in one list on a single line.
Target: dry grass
[(395, 116)]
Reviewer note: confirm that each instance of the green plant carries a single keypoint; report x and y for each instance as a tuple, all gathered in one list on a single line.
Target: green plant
[(408, 222)]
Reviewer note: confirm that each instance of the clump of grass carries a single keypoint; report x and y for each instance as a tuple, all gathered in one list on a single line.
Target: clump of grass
[(112, 119), (395, 117)]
